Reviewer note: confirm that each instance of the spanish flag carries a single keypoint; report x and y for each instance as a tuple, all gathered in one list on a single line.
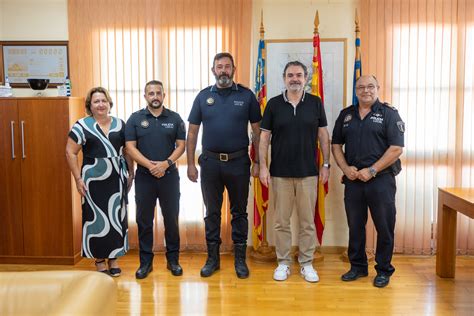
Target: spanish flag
[(317, 89)]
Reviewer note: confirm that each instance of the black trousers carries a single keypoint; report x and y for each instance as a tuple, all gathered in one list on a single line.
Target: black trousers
[(166, 189), (378, 194), (234, 175)]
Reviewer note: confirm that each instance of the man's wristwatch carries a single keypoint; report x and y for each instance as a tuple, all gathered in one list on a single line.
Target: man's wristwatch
[(326, 165), (372, 171), (170, 162)]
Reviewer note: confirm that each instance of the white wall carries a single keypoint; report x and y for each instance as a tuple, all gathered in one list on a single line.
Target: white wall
[(33, 20), (295, 20), (2, 10), (47, 20), (30, 20)]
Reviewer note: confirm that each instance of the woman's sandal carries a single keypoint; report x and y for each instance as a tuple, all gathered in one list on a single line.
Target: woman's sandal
[(115, 272), (97, 262)]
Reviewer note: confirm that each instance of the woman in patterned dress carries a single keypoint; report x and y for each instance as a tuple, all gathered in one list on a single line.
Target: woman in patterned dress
[(103, 182)]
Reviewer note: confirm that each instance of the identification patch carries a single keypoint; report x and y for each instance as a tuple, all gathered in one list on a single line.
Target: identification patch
[(401, 126), (238, 103), (377, 118), (347, 118), (144, 124), (167, 125), (210, 101)]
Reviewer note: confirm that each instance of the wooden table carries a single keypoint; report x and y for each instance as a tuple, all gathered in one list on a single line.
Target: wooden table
[(450, 202)]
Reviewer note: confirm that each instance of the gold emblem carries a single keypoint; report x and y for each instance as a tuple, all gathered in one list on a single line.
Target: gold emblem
[(210, 101), (144, 124), (347, 118)]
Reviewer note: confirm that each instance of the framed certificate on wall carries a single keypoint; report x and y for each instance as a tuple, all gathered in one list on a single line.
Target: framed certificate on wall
[(21, 60), (333, 55)]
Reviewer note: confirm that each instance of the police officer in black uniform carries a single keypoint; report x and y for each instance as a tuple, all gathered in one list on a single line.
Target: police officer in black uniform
[(155, 139), (373, 135), (224, 110)]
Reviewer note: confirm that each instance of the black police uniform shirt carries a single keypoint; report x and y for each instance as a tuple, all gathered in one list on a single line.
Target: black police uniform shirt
[(294, 134), (368, 139), (155, 136), (224, 114)]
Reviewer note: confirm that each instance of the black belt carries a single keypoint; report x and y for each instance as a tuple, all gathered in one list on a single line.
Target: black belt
[(225, 156)]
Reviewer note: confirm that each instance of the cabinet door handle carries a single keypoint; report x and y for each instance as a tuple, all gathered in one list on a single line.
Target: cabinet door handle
[(12, 130), (23, 139)]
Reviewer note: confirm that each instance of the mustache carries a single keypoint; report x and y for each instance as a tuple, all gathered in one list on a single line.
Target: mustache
[(155, 103)]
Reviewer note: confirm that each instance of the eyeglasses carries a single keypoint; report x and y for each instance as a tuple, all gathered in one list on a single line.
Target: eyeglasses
[(370, 87)]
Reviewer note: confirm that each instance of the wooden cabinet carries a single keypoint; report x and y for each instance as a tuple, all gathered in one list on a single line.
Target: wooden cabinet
[(39, 205)]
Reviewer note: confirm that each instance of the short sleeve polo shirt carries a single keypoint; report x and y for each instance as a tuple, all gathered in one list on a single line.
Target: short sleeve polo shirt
[(294, 134), (155, 136), (225, 114), (367, 140)]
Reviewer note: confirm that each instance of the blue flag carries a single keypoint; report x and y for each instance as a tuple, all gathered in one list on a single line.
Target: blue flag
[(357, 68)]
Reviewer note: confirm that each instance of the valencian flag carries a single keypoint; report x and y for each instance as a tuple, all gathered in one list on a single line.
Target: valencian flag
[(317, 89), (357, 62), (260, 201)]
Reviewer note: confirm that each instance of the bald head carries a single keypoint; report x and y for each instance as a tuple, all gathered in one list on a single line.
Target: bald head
[(367, 77)]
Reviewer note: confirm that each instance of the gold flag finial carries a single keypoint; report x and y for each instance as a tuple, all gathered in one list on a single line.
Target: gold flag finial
[(262, 29), (316, 23)]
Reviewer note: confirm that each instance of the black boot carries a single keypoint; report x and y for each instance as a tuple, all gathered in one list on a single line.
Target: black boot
[(213, 260), (241, 268)]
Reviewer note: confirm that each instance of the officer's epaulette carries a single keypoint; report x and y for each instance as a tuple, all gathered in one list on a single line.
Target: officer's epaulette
[(242, 86), (390, 106), (347, 109), (142, 110)]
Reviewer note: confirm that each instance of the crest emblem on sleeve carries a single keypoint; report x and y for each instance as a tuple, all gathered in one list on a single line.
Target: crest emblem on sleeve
[(210, 101), (401, 126), (347, 118), (144, 124)]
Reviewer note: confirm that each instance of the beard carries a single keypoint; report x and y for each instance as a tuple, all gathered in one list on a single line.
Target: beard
[(293, 86), (224, 80), (155, 104)]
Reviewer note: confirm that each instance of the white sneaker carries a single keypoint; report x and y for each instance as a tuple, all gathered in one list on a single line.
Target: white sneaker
[(281, 272), (309, 274)]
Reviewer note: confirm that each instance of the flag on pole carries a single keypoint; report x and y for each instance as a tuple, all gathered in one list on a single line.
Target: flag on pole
[(260, 201), (357, 62), (317, 89)]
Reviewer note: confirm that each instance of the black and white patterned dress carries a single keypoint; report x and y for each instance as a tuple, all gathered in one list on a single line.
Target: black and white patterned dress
[(105, 173)]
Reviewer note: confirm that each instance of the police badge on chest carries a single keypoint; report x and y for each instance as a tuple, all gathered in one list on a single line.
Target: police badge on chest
[(144, 123)]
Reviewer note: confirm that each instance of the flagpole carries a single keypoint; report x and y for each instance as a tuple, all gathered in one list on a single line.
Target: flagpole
[(357, 74), (264, 253)]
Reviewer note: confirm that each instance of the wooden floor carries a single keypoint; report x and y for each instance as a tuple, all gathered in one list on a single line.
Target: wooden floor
[(414, 289)]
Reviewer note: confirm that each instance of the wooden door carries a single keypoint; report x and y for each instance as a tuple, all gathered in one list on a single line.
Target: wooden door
[(11, 232), (46, 180)]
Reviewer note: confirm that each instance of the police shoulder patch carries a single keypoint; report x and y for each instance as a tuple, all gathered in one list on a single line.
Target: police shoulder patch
[(401, 126)]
